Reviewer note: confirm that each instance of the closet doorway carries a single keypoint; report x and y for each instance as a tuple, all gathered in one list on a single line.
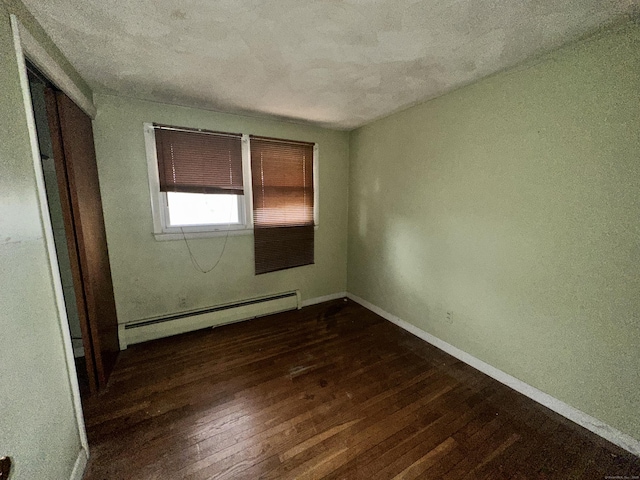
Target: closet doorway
[(65, 139)]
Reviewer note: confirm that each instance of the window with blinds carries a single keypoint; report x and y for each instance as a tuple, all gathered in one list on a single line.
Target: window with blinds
[(196, 180), (199, 161), (283, 203)]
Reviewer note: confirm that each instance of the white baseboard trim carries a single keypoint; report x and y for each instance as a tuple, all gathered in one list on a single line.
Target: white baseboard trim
[(598, 427), (78, 468), (325, 298)]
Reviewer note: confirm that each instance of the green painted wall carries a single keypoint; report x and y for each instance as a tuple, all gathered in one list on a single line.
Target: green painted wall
[(515, 204), (37, 423), (153, 278)]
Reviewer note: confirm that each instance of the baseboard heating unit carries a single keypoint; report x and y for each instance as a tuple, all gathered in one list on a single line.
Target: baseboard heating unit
[(152, 328)]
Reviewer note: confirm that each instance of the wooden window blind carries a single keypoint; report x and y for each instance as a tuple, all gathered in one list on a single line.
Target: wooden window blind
[(282, 178), (198, 161)]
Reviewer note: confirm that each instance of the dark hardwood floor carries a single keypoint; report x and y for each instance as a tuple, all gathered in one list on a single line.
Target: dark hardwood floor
[(330, 391)]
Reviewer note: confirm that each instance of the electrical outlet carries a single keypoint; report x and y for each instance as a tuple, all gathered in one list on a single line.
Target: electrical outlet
[(450, 316)]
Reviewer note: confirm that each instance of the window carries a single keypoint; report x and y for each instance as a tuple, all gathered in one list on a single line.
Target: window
[(197, 181), (283, 203), (197, 209), (206, 183)]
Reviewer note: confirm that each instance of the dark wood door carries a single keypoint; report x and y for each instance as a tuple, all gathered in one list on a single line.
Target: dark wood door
[(72, 244), (77, 172)]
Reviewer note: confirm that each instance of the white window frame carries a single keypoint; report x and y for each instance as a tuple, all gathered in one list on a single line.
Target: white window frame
[(160, 213), (159, 208)]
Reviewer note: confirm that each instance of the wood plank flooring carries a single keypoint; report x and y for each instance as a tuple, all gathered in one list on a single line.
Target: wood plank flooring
[(331, 391)]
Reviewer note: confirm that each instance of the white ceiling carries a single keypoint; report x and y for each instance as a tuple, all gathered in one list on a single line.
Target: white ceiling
[(336, 63)]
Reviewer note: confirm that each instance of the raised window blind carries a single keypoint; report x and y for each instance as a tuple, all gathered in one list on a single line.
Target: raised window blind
[(282, 177), (198, 161)]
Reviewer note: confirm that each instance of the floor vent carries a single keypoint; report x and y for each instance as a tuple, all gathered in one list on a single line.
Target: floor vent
[(153, 328)]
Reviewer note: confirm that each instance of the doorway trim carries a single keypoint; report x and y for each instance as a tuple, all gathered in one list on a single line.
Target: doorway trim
[(38, 55), (31, 49)]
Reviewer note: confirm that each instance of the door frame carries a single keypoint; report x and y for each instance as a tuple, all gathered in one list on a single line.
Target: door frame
[(27, 46)]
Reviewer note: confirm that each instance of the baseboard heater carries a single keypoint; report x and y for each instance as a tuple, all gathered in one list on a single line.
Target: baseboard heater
[(182, 322)]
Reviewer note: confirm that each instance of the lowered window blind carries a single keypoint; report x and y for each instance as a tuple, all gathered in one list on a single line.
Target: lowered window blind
[(198, 161), (282, 177)]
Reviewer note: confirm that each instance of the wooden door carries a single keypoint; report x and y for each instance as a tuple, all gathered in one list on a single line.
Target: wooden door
[(72, 245), (77, 172)]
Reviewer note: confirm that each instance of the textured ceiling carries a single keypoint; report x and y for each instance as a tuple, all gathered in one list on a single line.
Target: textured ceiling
[(334, 63)]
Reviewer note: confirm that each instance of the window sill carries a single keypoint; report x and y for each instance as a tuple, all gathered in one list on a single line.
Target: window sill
[(165, 236)]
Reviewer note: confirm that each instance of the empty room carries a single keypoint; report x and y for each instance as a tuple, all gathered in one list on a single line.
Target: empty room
[(350, 239)]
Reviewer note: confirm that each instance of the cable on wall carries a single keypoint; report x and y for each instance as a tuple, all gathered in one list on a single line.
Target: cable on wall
[(194, 260)]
